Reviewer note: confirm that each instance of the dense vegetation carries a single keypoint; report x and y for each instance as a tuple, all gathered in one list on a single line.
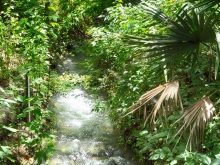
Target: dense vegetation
[(157, 60), (34, 35)]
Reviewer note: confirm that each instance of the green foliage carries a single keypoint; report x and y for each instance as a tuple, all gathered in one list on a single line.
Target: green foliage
[(212, 138), (184, 40), (25, 40), (34, 34), (5, 152), (181, 46), (66, 82), (109, 61)]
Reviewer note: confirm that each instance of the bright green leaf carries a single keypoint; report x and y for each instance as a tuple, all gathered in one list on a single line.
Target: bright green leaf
[(173, 162), (29, 109), (154, 157), (2, 154), (2, 90), (217, 55), (6, 149), (10, 129), (206, 159), (20, 98)]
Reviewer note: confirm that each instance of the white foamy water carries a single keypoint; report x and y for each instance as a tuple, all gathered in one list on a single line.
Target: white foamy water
[(84, 137)]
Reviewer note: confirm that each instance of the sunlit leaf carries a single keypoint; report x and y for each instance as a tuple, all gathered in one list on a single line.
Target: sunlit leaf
[(206, 159), (218, 54), (173, 162), (20, 98), (10, 129), (7, 100), (2, 154), (6, 149), (2, 90), (29, 109)]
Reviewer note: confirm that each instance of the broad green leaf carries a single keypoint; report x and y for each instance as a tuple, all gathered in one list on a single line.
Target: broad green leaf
[(173, 162), (206, 159), (20, 98), (2, 90), (143, 132), (7, 100), (166, 149), (4, 103), (10, 129), (157, 154), (29, 109), (2, 154), (8, 92), (6, 149), (40, 156), (217, 160), (21, 115), (154, 157), (217, 156), (54, 17), (37, 80), (147, 147)]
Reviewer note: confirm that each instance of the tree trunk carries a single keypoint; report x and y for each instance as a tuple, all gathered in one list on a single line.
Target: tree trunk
[(1, 5)]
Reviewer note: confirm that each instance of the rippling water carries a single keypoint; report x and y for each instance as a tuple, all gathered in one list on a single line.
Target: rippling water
[(84, 137)]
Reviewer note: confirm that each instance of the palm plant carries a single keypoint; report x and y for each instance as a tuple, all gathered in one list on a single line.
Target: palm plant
[(185, 37), (206, 4), (194, 119), (166, 104)]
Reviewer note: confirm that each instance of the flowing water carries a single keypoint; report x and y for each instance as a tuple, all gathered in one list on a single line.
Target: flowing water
[(84, 137)]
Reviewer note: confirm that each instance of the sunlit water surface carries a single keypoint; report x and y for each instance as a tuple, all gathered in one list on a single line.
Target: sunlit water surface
[(84, 137)]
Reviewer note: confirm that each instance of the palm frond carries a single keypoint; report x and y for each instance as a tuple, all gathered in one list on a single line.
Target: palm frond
[(194, 119), (156, 13), (166, 103), (184, 37), (205, 4), (145, 98)]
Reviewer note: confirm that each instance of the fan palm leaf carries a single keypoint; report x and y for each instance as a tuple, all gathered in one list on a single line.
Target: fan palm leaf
[(157, 14), (194, 119), (206, 4), (166, 103), (183, 39)]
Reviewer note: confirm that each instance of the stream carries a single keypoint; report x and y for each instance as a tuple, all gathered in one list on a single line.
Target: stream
[(84, 137)]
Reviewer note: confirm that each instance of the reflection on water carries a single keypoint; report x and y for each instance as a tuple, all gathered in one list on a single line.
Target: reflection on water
[(84, 137)]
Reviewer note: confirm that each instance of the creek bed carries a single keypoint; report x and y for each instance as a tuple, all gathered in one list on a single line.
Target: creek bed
[(84, 137)]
